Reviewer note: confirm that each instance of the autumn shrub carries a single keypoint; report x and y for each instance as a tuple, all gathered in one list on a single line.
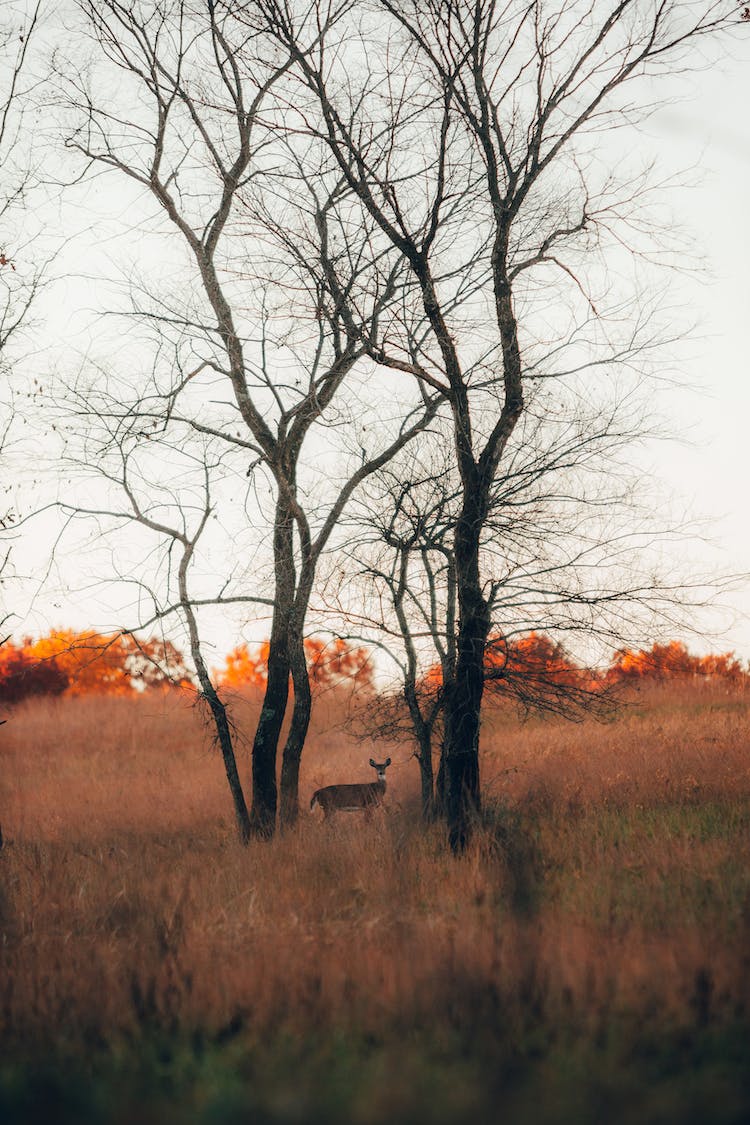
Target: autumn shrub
[(22, 676), (88, 663), (664, 663), (330, 663)]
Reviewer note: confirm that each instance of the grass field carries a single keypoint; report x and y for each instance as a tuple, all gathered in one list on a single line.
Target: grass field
[(588, 959)]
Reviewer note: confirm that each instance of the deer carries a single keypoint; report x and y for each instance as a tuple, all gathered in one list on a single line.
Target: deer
[(363, 797)]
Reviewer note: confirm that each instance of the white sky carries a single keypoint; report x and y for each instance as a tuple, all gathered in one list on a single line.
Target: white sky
[(711, 130), (706, 129)]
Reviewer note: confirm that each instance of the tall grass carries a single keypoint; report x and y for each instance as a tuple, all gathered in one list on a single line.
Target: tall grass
[(593, 944)]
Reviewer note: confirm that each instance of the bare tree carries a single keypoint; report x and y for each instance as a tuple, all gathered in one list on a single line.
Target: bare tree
[(402, 600), (20, 271), (287, 307), (570, 550), (427, 102), (167, 592)]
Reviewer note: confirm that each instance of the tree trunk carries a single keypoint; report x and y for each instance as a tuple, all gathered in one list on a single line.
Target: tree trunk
[(422, 727), (275, 699), (462, 789), (440, 785), (298, 731), (463, 694), (265, 744), (224, 736), (218, 710), (426, 778)]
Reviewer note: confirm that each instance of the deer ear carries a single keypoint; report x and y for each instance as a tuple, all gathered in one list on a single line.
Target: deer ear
[(388, 761), (372, 763)]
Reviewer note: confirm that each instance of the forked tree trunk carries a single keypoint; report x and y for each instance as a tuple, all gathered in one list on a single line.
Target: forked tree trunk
[(276, 697), (265, 744), (290, 763)]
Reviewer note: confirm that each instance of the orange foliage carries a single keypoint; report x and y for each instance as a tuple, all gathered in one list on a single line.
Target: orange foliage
[(21, 676), (537, 659), (328, 662), (245, 669), (534, 656), (673, 661), (432, 680), (331, 662), (87, 664), (91, 662)]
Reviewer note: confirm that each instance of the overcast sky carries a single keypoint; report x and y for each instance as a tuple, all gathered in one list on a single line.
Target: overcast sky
[(711, 473), (705, 131)]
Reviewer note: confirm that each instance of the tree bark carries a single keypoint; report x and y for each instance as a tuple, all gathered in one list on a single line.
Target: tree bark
[(440, 785), (463, 693), (426, 777), (218, 710), (265, 793), (290, 764), (275, 699), (224, 736), (423, 732)]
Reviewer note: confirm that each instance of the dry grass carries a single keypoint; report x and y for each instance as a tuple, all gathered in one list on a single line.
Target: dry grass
[(606, 900)]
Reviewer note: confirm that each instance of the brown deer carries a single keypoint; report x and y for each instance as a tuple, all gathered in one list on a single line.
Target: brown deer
[(363, 797)]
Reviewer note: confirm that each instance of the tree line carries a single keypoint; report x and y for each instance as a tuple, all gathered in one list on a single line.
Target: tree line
[(64, 662)]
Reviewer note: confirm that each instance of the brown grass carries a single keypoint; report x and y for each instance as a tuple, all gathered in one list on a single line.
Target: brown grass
[(609, 885), (82, 769)]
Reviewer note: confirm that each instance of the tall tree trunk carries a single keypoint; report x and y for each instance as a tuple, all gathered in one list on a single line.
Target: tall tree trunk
[(463, 693), (268, 731), (441, 803), (218, 710), (426, 777), (275, 699), (295, 742), (423, 733)]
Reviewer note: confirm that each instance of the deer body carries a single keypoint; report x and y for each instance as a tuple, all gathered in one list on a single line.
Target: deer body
[(363, 797)]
